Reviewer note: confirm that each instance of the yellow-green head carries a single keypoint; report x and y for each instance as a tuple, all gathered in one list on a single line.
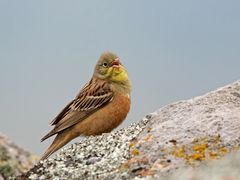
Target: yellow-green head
[(110, 68)]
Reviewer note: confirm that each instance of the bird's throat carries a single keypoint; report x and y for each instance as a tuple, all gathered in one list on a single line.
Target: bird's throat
[(119, 74)]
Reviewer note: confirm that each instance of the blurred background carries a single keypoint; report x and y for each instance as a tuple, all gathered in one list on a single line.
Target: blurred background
[(173, 50)]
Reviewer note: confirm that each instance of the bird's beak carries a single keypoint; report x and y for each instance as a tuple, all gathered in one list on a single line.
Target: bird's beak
[(116, 63)]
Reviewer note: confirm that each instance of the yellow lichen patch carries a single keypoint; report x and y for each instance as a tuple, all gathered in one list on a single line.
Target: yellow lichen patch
[(132, 143), (148, 137), (224, 150), (149, 130), (201, 148), (213, 155), (207, 148), (197, 157), (135, 152), (189, 153), (216, 154), (180, 152), (199, 151)]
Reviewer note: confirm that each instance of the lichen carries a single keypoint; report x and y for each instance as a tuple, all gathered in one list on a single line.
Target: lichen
[(4, 156), (6, 169), (6, 166), (207, 148), (135, 152)]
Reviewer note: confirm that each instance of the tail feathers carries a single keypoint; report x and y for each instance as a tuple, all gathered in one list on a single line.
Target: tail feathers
[(60, 140), (47, 154), (48, 135)]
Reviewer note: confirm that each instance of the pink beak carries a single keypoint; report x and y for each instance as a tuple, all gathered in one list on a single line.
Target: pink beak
[(116, 62)]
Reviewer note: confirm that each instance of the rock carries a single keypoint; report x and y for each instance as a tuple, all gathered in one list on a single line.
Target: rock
[(225, 169), (189, 133), (182, 135), (13, 159), (92, 157)]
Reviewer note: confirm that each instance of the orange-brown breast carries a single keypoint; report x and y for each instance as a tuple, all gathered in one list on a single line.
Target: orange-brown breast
[(105, 119)]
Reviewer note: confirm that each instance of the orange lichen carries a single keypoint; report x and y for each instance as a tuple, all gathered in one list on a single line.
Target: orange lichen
[(200, 149), (149, 130), (197, 156), (180, 152), (135, 152), (133, 143), (148, 137), (213, 155), (192, 153), (224, 150), (199, 152)]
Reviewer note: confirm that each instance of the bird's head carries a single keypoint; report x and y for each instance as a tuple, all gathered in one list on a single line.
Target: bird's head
[(110, 68)]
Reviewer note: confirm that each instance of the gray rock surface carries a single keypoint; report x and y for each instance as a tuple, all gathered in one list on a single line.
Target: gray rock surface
[(13, 159), (186, 134), (91, 158), (228, 168)]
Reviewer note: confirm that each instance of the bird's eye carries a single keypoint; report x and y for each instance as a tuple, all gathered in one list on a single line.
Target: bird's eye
[(105, 64)]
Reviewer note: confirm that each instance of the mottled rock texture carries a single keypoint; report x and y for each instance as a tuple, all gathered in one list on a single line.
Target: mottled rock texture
[(13, 159), (226, 168), (190, 132), (184, 135)]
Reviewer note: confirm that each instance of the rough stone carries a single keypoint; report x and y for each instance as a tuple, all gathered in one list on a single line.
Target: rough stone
[(225, 169), (189, 133), (13, 159)]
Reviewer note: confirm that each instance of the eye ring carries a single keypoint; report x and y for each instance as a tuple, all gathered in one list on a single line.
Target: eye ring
[(105, 64)]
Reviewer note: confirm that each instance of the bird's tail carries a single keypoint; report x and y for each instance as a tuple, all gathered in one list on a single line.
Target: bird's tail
[(60, 140)]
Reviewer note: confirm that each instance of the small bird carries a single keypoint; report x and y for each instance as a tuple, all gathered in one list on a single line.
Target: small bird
[(99, 107)]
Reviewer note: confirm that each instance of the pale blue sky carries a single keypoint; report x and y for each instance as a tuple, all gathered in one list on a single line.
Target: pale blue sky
[(173, 50)]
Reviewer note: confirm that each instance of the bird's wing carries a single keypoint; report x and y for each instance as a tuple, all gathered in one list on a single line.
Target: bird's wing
[(92, 97)]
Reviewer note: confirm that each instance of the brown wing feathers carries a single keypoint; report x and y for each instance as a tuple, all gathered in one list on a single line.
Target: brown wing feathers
[(92, 97)]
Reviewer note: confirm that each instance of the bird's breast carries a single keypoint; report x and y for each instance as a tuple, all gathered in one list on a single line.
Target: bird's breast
[(106, 118)]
